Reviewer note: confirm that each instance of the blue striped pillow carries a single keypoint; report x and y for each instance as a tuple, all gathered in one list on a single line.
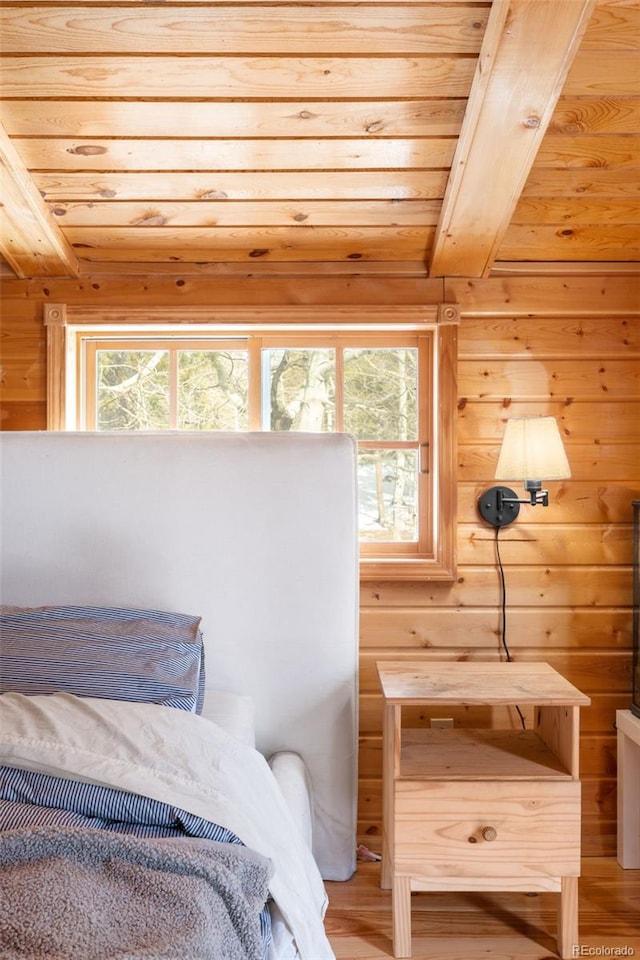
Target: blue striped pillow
[(120, 654)]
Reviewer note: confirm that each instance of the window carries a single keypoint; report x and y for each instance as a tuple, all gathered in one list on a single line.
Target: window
[(150, 384), (383, 383)]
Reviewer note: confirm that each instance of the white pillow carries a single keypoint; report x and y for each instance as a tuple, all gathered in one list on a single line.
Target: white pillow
[(234, 712)]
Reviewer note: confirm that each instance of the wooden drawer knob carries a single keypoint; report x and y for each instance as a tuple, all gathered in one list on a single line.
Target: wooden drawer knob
[(489, 833)]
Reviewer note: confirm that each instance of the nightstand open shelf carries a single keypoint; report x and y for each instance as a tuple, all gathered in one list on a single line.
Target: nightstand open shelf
[(481, 809), (471, 754)]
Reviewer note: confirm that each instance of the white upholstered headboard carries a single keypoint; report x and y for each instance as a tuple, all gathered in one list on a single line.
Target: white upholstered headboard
[(256, 532)]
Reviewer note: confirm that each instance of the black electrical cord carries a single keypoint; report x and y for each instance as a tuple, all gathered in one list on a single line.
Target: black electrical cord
[(503, 610)]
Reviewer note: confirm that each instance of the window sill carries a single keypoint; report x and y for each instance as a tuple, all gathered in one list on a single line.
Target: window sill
[(404, 568)]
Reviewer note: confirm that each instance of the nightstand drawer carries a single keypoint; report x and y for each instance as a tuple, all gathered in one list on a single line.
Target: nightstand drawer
[(487, 829)]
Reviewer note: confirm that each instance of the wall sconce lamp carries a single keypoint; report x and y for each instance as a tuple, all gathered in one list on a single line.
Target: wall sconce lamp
[(532, 451)]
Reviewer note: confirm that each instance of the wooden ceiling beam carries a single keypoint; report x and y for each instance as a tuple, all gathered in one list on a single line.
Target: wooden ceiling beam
[(30, 240), (526, 54)]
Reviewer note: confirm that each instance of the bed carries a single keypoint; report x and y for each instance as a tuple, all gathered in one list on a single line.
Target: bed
[(200, 738)]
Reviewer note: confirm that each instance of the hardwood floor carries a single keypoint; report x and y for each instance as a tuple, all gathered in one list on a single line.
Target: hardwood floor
[(514, 926)]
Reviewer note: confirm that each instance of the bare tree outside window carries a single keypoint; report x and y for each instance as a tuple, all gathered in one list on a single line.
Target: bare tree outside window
[(162, 389), (381, 404), (132, 389), (213, 388), (380, 393), (302, 389)]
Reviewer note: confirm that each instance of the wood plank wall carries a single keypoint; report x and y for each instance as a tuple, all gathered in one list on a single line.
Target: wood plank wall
[(562, 346)]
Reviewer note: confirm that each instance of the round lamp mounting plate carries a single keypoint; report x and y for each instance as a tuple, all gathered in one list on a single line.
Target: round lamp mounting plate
[(495, 510)]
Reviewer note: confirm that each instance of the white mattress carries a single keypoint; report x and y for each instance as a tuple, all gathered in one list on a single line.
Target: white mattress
[(294, 781)]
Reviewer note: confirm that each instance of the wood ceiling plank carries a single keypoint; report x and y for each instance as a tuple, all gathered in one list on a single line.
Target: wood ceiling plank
[(324, 185), (63, 154), (221, 28), (527, 52), (584, 115), (561, 268), (30, 240), (250, 244), (229, 213), (547, 210), (590, 151), (341, 282), (613, 28), (571, 243), (582, 182), (291, 118), (234, 77), (602, 75)]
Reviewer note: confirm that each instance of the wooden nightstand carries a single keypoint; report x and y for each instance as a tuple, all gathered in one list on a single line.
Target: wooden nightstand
[(482, 810)]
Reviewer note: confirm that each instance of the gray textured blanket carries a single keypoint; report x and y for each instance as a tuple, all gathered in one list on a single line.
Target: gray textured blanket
[(70, 893)]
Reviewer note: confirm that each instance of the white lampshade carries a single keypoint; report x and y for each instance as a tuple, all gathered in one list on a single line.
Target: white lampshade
[(532, 449)]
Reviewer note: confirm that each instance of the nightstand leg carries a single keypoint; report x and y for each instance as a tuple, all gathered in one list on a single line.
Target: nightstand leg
[(568, 918), (401, 913), (385, 873), (390, 769)]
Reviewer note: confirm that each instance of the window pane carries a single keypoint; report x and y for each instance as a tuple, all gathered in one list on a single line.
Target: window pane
[(380, 393), (387, 486), (301, 389), (133, 390), (213, 390)]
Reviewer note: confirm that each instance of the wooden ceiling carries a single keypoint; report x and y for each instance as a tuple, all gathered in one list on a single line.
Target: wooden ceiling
[(457, 136)]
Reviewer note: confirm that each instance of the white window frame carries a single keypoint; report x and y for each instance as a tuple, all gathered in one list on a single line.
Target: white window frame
[(71, 328)]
